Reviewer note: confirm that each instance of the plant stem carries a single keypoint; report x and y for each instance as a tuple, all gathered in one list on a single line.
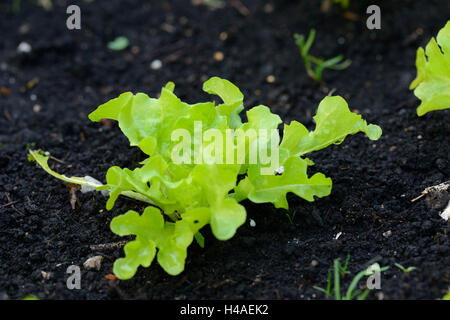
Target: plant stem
[(337, 289)]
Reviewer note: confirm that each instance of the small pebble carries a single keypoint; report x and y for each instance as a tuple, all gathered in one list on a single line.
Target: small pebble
[(218, 56), (183, 21), (268, 8), (36, 108), (387, 234), (270, 79), (135, 49), (24, 29), (93, 263), (46, 275), (168, 28), (24, 47), (446, 213), (279, 171), (380, 295), (156, 64), (223, 36), (5, 91), (252, 223)]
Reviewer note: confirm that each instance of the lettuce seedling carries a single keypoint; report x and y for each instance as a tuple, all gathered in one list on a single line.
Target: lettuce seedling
[(185, 196), (432, 83), (315, 72)]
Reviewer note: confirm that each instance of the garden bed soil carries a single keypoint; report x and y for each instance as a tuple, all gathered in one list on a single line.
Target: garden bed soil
[(49, 92)]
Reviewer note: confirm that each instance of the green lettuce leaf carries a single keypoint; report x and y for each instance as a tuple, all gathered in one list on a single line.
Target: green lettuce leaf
[(432, 83), (231, 96), (152, 232), (334, 121), (273, 188)]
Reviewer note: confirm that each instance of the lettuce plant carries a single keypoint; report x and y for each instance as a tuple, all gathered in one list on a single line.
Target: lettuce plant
[(183, 197), (432, 84)]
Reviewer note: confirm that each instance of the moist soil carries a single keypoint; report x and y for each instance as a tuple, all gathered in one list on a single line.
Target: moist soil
[(48, 93)]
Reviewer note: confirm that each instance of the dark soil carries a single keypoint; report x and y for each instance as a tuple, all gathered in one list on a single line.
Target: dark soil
[(373, 182)]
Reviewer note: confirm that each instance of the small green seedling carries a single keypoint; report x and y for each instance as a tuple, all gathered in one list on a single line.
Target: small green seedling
[(343, 270), (328, 4), (344, 3), (405, 270), (119, 44), (15, 6), (314, 66), (291, 216), (327, 291), (339, 272), (447, 296), (30, 145)]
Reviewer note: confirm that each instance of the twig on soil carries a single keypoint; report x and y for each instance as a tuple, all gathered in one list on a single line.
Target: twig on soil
[(73, 200), (173, 57), (438, 188), (240, 7), (169, 48), (56, 159), (108, 246), (8, 116), (9, 204)]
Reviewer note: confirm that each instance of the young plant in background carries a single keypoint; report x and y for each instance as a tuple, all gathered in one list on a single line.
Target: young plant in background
[(344, 3), (327, 4), (339, 271), (447, 296), (183, 197), (343, 270), (432, 83), (15, 5), (404, 270), (314, 66), (213, 4)]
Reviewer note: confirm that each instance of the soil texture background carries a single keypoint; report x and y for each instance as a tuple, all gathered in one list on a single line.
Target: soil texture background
[(48, 92)]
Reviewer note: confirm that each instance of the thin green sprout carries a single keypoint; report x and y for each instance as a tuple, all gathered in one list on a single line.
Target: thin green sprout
[(315, 66)]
